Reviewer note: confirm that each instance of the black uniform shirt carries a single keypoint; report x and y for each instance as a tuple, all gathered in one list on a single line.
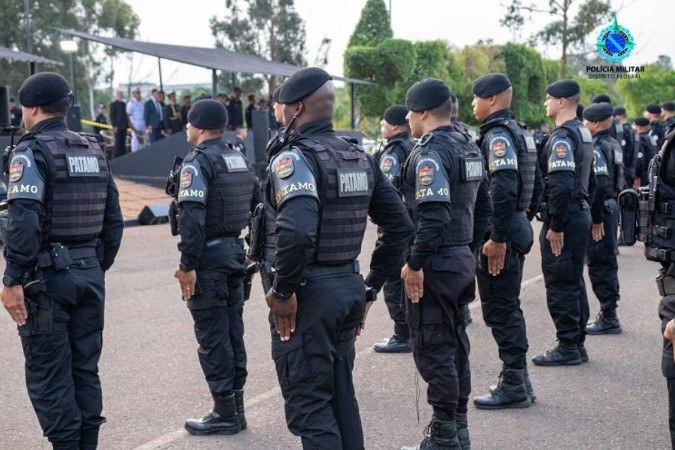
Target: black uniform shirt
[(297, 222), (603, 162), (192, 217), (26, 217)]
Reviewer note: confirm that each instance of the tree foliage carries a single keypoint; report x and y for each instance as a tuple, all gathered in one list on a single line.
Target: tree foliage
[(106, 17), (655, 85), (373, 27), (269, 28), (567, 29)]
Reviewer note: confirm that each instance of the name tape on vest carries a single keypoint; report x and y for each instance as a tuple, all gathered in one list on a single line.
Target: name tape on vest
[(352, 183), (235, 163), (83, 166)]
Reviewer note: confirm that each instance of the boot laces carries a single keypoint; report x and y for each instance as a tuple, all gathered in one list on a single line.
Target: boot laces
[(431, 429)]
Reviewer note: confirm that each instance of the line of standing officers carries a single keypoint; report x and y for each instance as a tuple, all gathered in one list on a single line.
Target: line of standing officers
[(449, 211)]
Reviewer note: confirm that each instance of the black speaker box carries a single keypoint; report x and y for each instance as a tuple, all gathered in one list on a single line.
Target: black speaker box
[(154, 214), (4, 107)]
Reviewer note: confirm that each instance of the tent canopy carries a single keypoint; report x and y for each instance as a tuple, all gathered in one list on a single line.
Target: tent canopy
[(13, 55), (209, 58)]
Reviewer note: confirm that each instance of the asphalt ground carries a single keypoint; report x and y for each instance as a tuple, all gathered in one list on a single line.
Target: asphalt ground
[(152, 380)]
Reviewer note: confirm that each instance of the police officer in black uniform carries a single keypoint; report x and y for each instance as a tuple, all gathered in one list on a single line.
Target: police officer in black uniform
[(218, 189), (601, 255), (668, 115), (441, 181), (645, 151), (64, 229), (511, 157), (322, 189), (661, 248), (566, 162), (657, 130), (396, 131)]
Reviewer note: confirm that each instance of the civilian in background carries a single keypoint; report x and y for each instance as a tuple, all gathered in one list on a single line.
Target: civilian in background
[(120, 123), (15, 114), (185, 109), (100, 118), (249, 110), (173, 122), (153, 114), (135, 110), (235, 110)]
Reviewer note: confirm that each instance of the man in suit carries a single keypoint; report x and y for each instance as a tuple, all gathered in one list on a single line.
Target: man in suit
[(153, 113), (119, 122), (172, 118)]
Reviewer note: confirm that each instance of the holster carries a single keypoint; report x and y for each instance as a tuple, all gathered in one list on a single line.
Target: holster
[(248, 280), (4, 221), (628, 214), (40, 310), (665, 284), (267, 274), (173, 217)]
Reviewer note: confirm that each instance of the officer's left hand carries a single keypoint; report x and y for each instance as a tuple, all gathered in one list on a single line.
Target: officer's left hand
[(413, 281), (187, 281), (597, 231), (669, 332), (557, 241), (495, 253), (13, 301), (362, 325), (283, 314)]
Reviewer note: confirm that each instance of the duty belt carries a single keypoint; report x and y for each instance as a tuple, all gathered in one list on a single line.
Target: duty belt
[(661, 254), (223, 240), (316, 270), (46, 259)]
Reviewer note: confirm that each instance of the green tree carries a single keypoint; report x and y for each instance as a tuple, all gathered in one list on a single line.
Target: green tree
[(374, 26), (655, 85), (590, 88), (268, 28), (567, 29)]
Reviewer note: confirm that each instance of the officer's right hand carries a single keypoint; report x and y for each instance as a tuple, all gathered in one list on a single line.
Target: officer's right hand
[(669, 332), (557, 241), (283, 314), (597, 231), (413, 281), (13, 301), (496, 254)]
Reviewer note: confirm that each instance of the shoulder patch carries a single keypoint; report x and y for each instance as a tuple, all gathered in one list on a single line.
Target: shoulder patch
[(193, 187), (501, 153), (292, 176), (388, 163), (600, 162), (25, 180), (561, 157), (431, 182)]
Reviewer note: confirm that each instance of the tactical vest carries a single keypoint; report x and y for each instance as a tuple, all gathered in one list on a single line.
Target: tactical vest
[(527, 159), (464, 183), (656, 208), (77, 188), (391, 165), (583, 159), (615, 179), (230, 193), (346, 183)]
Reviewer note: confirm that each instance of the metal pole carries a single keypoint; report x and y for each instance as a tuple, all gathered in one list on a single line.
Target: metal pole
[(214, 83), (73, 78), (352, 95), (26, 14), (234, 80), (389, 12), (159, 65)]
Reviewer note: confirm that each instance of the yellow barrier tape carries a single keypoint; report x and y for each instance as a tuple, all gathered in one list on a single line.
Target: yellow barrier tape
[(96, 124)]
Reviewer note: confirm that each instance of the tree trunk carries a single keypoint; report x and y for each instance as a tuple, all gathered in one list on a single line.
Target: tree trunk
[(565, 41)]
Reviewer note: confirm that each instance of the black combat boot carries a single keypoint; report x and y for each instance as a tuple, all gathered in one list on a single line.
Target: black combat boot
[(89, 438), (510, 392), (561, 355), (394, 344), (606, 322), (528, 385), (239, 400), (463, 431), (582, 351), (222, 420), (440, 435)]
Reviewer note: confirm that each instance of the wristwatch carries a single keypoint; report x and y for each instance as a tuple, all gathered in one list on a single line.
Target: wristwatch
[(280, 295), (9, 281), (371, 294)]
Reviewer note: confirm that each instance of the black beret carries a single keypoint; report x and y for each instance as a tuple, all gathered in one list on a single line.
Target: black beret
[(563, 89), (619, 111), (302, 83), (668, 106), (490, 84), (602, 98), (653, 109), (597, 112), (641, 121), (427, 94), (207, 114), (43, 88), (395, 115), (275, 95)]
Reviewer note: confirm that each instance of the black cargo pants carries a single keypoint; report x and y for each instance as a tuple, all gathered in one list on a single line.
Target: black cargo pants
[(601, 258)]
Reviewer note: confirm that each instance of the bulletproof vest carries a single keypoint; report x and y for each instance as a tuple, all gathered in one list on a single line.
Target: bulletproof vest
[(527, 159), (231, 190), (346, 183), (614, 157), (583, 158), (656, 208), (465, 157), (616, 130), (77, 188)]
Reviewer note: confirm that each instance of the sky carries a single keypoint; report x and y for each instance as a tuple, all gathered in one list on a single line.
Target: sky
[(458, 23)]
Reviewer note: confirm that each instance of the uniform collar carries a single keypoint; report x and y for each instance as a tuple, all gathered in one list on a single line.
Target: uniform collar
[(316, 128), (604, 132), (48, 125), (399, 136), (498, 115), (209, 142)]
